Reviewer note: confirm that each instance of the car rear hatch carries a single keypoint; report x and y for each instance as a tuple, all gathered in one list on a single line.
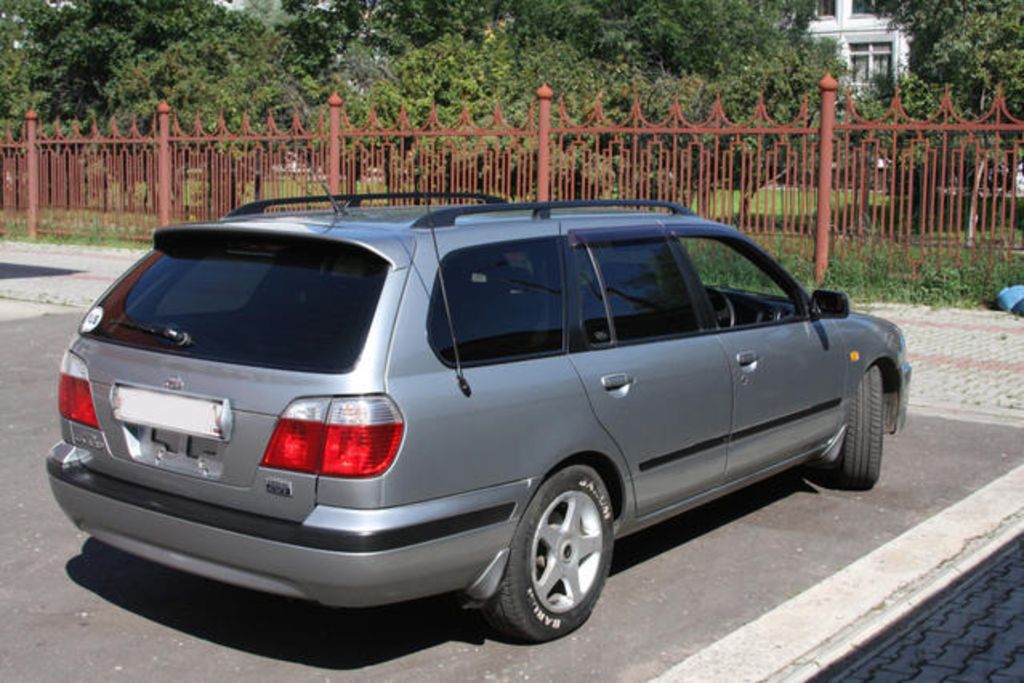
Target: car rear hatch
[(195, 353)]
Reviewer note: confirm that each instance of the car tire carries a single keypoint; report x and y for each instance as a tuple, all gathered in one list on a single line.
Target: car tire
[(558, 559), (860, 460)]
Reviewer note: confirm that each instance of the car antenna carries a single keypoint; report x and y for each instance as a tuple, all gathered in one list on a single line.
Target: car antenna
[(463, 383), (336, 206)]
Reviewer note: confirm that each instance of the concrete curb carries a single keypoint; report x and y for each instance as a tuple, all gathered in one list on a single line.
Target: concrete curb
[(955, 411), (806, 634)]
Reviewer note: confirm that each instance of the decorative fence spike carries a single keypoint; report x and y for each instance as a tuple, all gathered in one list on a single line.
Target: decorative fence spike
[(271, 125), (433, 121), (296, 128), (222, 127), (402, 122), (197, 127), (717, 117), (465, 121), (635, 118)]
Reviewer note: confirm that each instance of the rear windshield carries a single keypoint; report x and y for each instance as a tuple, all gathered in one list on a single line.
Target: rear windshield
[(290, 304)]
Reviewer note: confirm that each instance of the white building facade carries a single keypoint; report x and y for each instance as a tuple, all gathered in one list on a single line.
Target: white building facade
[(870, 47)]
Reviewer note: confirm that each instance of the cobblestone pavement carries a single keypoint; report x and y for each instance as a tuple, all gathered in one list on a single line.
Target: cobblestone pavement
[(972, 632), (962, 358)]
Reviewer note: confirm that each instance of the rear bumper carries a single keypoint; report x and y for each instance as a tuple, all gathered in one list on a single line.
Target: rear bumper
[(336, 556)]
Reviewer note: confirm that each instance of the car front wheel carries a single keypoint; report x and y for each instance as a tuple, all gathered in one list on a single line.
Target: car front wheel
[(860, 461)]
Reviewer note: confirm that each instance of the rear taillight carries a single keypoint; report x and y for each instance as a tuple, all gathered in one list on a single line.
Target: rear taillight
[(344, 437), (298, 437), (74, 397), (363, 435)]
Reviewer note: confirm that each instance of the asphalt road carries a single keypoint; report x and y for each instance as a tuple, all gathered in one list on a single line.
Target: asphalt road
[(75, 609)]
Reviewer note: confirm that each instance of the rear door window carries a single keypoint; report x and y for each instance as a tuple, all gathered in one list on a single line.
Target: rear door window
[(643, 290), (506, 302), (289, 304)]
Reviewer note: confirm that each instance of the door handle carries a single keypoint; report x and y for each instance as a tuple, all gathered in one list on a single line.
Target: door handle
[(747, 360), (616, 381)]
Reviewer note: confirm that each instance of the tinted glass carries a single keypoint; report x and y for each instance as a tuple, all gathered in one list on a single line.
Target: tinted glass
[(297, 305), (596, 329), (721, 266), (645, 289), (506, 301)]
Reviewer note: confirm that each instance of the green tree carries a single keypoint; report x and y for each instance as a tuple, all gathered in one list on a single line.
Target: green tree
[(707, 37), (396, 48), (100, 57), (15, 93), (453, 72), (970, 45)]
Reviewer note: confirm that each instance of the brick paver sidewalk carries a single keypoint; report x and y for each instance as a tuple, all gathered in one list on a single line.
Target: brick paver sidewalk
[(971, 358), (972, 632)]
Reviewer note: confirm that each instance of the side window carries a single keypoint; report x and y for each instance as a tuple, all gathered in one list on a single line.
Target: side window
[(644, 289), (741, 292), (596, 329), (506, 301)]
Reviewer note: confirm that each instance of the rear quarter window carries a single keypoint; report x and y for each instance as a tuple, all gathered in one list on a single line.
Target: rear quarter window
[(506, 302), (290, 304)]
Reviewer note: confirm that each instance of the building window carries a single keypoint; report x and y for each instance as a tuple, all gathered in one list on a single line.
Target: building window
[(826, 8), (869, 61), (861, 6)]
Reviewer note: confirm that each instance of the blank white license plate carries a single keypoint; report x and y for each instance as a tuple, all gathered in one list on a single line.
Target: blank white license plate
[(210, 418)]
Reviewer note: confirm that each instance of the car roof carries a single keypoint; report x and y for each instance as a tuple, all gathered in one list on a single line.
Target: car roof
[(391, 231)]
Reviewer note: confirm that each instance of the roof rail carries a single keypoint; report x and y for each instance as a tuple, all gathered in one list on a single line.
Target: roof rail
[(351, 200), (442, 218)]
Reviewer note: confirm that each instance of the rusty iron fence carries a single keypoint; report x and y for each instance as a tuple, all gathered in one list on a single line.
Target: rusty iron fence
[(830, 179)]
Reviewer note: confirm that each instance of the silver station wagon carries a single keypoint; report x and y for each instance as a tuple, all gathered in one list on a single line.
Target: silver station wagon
[(384, 401)]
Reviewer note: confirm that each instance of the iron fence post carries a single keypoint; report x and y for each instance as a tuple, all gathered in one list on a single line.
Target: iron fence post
[(32, 168), (334, 143), (163, 111), (828, 87), (544, 95)]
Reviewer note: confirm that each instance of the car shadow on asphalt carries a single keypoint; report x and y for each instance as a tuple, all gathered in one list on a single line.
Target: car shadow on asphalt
[(681, 529), (334, 638), (9, 271), (269, 625)]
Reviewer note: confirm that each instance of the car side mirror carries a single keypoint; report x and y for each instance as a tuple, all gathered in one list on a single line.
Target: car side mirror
[(829, 303)]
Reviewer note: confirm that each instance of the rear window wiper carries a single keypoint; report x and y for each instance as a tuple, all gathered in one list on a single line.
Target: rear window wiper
[(179, 337)]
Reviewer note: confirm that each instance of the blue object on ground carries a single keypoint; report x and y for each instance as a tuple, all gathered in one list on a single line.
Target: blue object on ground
[(1010, 299), (1019, 308)]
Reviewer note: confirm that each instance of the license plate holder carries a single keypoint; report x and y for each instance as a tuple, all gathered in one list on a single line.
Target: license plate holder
[(195, 415)]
